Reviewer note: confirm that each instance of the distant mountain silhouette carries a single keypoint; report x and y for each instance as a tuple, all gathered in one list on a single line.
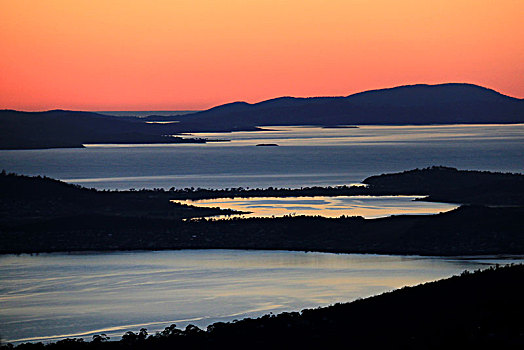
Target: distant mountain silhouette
[(414, 104), (61, 129)]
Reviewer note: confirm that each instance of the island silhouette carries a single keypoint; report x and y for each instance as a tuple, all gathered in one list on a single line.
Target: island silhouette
[(451, 103)]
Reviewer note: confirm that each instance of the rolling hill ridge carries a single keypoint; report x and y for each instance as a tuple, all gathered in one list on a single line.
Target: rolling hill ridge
[(451, 103)]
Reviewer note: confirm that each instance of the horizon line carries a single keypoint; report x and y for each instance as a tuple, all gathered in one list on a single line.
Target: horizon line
[(259, 101)]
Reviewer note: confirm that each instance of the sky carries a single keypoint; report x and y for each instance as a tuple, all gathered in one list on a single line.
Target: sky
[(195, 54)]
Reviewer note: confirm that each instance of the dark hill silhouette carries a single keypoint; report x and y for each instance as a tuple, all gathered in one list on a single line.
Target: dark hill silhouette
[(40, 214), (414, 104), (59, 128), (451, 185), (24, 199)]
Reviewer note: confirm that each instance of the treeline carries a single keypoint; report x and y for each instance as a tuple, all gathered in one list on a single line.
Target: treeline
[(241, 192), (468, 230), (451, 185), (25, 199), (39, 214), (438, 183), (481, 310)]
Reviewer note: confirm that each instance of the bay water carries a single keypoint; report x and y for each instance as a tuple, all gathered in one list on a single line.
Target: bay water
[(306, 156), (52, 296), (48, 297)]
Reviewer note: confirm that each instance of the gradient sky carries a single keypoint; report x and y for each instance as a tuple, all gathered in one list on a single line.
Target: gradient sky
[(183, 55)]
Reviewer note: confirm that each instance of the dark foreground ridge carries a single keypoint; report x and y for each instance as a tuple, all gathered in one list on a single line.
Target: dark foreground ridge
[(481, 310), (45, 215), (415, 104)]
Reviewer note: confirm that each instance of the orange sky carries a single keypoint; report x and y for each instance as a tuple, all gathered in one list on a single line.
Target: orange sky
[(178, 55)]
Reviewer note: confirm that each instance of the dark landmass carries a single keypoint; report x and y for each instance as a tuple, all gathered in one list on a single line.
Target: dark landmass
[(480, 310), (445, 184), (70, 129), (438, 183), (266, 144), (414, 104), (464, 231), (27, 200), (43, 215)]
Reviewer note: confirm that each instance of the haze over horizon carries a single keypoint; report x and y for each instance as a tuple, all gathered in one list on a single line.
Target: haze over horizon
[(193, 55)]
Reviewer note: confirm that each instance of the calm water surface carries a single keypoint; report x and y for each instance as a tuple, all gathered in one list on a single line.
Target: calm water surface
[(307, 156), (366, 206), (52, 296)]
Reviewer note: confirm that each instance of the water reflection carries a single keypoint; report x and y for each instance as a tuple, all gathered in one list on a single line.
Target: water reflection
[(365, 206), (369, 135), (308, 157), (53, 296)]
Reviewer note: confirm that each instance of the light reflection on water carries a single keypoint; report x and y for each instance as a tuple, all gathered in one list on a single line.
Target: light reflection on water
[(52, 296), (308, 156), (365, 206), (369, 134)]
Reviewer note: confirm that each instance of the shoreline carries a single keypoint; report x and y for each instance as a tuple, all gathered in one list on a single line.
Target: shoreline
[(487, 256), (480, 301), (46, 215)]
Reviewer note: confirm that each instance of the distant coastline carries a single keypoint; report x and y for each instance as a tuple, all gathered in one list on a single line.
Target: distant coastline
[(452, 103), (142, 114)]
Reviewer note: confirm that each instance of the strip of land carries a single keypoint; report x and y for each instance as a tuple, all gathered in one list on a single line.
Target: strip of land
[(438, 183), (45, 215)]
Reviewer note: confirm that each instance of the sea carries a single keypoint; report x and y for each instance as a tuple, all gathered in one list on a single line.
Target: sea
[(48, 297), (305, 156)]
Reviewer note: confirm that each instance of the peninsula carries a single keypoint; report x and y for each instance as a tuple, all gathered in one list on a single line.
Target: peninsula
[(44, 215)]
